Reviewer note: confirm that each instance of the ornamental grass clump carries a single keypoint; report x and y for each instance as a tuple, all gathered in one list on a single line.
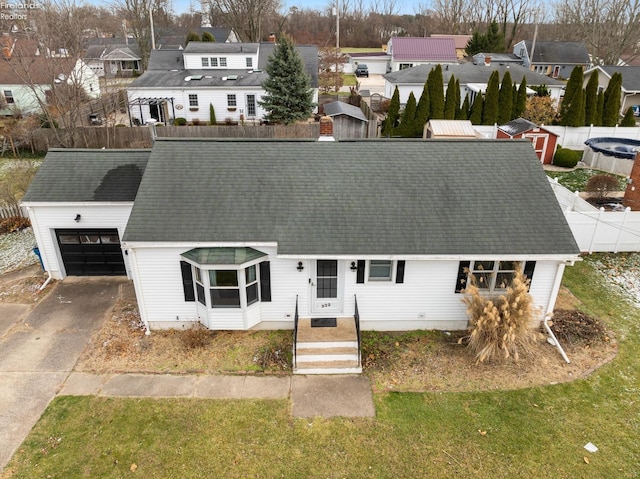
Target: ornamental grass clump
[(499, 325)]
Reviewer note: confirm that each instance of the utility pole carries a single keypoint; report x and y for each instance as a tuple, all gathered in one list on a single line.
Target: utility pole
[(153, 35)]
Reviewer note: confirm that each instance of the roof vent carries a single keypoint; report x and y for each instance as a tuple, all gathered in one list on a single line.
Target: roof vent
[(187, 78), (232, 77)]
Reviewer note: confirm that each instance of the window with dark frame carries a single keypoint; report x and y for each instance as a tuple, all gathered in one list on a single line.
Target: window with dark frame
[(193, 100), (223, 62), (231, 100)]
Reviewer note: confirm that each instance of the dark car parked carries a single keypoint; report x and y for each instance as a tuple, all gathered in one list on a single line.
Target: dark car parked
[(362, 70)]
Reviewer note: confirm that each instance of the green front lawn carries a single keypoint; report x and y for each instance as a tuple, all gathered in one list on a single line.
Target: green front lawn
[(576, 179), (530, 433)]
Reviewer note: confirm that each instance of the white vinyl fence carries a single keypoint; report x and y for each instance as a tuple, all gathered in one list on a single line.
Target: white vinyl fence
[(596, 230), (7, 211)]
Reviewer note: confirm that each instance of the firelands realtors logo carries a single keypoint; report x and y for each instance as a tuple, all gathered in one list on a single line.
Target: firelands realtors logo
[(16, 11)]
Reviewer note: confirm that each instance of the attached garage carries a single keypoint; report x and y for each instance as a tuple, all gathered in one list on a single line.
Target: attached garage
[(91, 252), (79, 203)]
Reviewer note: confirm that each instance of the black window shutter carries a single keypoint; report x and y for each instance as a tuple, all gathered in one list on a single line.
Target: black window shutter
[(360, 271), (265, 282), (529, 266), (461, 281), (187, 281), (400, 272)]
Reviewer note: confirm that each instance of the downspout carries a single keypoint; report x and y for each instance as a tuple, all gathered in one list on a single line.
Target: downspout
[(44, 285), (552, 301)]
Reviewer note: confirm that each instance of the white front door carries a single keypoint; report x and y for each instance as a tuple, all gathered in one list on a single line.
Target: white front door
[(326, 287)]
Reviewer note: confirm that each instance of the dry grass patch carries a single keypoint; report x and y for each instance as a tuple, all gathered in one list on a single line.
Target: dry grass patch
[(122, 346), (24, 290)]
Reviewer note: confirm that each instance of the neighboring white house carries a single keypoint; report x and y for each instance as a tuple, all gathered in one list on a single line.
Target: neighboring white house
[(228, 76), (473, 79), (630, 89)]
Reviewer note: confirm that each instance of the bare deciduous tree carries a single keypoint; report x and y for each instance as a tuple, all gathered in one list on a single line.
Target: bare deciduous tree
[(246, 18)]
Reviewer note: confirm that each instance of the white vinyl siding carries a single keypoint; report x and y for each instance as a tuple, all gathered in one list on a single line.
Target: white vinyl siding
[(232, 61), (46, 219)]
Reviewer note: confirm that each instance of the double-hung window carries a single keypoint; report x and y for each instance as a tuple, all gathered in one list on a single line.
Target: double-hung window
[(249, 61), (251, 282), (492, 276), (231, 101), (205, 62), (225, 291), (193, 100), (223, 61), (8, 96), (214, 62), (199, 286)]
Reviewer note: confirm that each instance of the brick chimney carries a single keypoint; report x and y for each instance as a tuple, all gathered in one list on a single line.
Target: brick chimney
[(326, 129), (632, 192), (487, 61), (272, 38)]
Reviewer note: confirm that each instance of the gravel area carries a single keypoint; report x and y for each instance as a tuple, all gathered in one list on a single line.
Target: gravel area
[(16, 250)]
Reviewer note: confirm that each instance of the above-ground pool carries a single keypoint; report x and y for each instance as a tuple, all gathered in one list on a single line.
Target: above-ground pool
[(618, 147)]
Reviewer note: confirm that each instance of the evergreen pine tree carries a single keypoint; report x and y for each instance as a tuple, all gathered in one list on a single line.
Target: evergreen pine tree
[(505, 100), (212, 115), (521, 101), (391, 121), (591, 100), (208, 37), (407, 122), (599, 108), (457, 102), (490, 108), (288, 94), (629, 119), (436, 93), (464, 111), (611, 107), (450, 100), (514, 97), (569, 109), (475, 115), (422, 112)]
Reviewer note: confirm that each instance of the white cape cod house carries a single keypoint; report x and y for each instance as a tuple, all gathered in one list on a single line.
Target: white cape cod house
[(269, 234)]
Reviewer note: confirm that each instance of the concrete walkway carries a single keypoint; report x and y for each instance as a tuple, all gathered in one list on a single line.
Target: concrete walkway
[(39, 348)]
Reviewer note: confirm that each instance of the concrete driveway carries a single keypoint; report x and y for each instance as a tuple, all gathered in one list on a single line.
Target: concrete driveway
[(39, 349)]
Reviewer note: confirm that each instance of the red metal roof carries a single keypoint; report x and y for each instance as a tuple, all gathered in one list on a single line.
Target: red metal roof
[(423, 49)]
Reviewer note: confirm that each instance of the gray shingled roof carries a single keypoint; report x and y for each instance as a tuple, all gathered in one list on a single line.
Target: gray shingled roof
[(166, 60), (210, 78), (568, 53), (342, 108), (630, 76), (88, 175), (470, 73), (353, 197), (213, 47), (517, 126), (308, 53)]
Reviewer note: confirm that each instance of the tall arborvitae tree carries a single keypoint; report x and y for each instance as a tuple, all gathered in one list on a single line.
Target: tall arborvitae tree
[(599, 108), (463, 113), (457, 99), (436, 93), (422, 112), (491, 100), (514, 97), (475, 115), (505, 100), (591, 100), (288, 95), (407, 122), (611, 108), (393, 115), (521, 99), (569, 109), (450, 106), (629, 119), (574, 116)]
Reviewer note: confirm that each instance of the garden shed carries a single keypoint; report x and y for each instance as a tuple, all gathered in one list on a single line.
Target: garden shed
[(348, 120), (544, 141)]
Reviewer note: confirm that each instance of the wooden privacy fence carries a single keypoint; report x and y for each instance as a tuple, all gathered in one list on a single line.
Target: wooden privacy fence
[(139, 137)]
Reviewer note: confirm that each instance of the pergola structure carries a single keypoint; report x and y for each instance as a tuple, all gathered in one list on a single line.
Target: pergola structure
[(157, 102)]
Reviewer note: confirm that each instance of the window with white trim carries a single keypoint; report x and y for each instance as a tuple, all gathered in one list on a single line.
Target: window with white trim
[(231, 101), (193, 100), (251, 282), (494, 275), (223, 61), (380, 270), (251, 105), (8, 96), (214, 61), (205, 62), (224, 288), (199, 285), (249, 62)]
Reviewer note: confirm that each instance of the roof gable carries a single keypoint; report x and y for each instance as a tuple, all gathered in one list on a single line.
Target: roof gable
[(88, 175), (521, 125), (630, 76), (352, 197), (570, 53), (342, 108)]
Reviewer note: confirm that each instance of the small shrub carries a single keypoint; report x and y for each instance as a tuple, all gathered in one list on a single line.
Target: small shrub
[(499, 325), (196, 337), (600, 186), (121, 125), (13, 223), (180, 121), (229, 121), (566, 158), (195, 122)]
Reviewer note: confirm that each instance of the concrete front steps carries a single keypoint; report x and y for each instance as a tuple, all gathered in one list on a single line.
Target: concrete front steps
[(327, 350)]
